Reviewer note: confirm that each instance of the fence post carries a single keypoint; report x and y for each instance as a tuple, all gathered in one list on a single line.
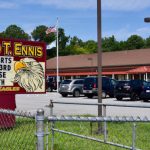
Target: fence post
[(105, 123), (52, 127), (52, 124), (51, 107), (40, 129), (133, 136)]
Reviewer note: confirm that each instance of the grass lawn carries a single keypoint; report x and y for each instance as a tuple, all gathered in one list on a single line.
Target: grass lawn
[(22, 136), (120, 133)]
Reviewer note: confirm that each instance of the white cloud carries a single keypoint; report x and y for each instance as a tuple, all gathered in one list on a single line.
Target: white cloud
[(67, 4), (126, 5), (124, 33), (116, 5), (7, 5)]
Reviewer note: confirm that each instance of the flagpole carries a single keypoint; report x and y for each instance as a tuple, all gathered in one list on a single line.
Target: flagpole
[(57, 57)]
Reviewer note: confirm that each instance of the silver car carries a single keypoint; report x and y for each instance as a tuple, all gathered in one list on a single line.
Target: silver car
[(71, 87)]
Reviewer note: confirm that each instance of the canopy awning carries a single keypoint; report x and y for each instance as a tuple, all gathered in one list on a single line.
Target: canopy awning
[(84, 73), (143, 69)]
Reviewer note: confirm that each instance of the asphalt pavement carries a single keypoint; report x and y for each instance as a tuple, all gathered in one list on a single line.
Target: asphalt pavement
[(30, 103)]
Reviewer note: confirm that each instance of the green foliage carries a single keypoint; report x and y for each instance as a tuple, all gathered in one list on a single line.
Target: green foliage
[(13, 31), (71, 48), (2, 35), (75, 41), (39, 34), (110, 44), (63, 39), (147, 42), (74, 45), (90, 46), (50, 53), (135, 42), (122, 45)]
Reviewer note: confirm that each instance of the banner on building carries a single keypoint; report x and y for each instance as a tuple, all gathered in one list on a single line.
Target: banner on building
[(22, 66)]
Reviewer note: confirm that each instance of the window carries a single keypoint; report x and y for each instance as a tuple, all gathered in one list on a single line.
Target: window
[(113, 82), (78, 82), (66, 82), (105, 82)]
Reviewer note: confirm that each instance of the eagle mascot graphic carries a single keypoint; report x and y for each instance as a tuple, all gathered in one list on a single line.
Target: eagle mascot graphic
[(29, 74)]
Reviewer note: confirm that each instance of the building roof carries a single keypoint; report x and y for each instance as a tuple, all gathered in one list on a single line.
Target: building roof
[(117, 58)]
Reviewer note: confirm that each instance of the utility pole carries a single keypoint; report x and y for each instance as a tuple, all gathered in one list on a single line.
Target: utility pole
[(99, 58)]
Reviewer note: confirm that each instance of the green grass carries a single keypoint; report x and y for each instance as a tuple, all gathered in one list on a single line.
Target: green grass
[(22, 136), (120, 133)]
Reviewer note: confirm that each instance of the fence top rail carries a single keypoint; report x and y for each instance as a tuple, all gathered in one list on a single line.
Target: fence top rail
[(103, 104), (17, 113), (99, 119)]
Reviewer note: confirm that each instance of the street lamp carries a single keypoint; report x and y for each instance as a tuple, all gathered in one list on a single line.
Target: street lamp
[(147, 19)]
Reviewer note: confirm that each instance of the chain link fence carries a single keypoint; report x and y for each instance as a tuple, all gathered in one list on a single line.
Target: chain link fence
[(81, 132), (117, 133), (24, 131), (17, 130)]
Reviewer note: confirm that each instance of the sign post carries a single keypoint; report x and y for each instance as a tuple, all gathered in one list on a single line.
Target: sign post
[(7, 101), (22, 70)]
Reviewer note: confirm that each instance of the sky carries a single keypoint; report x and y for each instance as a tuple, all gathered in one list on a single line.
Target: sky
[(121, 18)]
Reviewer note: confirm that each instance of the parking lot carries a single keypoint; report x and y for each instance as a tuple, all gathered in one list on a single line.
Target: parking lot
[(32, 102)]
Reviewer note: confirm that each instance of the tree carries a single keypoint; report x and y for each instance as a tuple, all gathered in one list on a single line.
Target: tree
[(13, 31), (122, 45), (147, 42), (2, 35), (135, 42), (90, 46), (76, 50), (110, 44), (63, 39), (50, 53), (39, 34), (75, 47), (76, 41)]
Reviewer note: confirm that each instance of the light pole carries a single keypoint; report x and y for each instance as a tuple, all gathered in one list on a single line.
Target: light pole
[(147, 19), (99, 61), (57, 61)]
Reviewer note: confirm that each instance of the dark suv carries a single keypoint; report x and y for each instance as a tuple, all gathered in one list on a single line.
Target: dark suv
[(51, 84), (90, 87), (145, 94), (131, 89), (71, 87)]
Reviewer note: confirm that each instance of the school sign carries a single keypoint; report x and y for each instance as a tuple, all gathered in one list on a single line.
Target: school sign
[(22, 66)]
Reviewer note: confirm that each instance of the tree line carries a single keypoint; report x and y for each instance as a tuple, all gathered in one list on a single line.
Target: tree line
[(73, 45)]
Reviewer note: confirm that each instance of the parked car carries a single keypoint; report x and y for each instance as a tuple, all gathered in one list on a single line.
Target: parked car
[(90, 87), (71, 87), (51, 84), (130, 88), (145, 94)]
